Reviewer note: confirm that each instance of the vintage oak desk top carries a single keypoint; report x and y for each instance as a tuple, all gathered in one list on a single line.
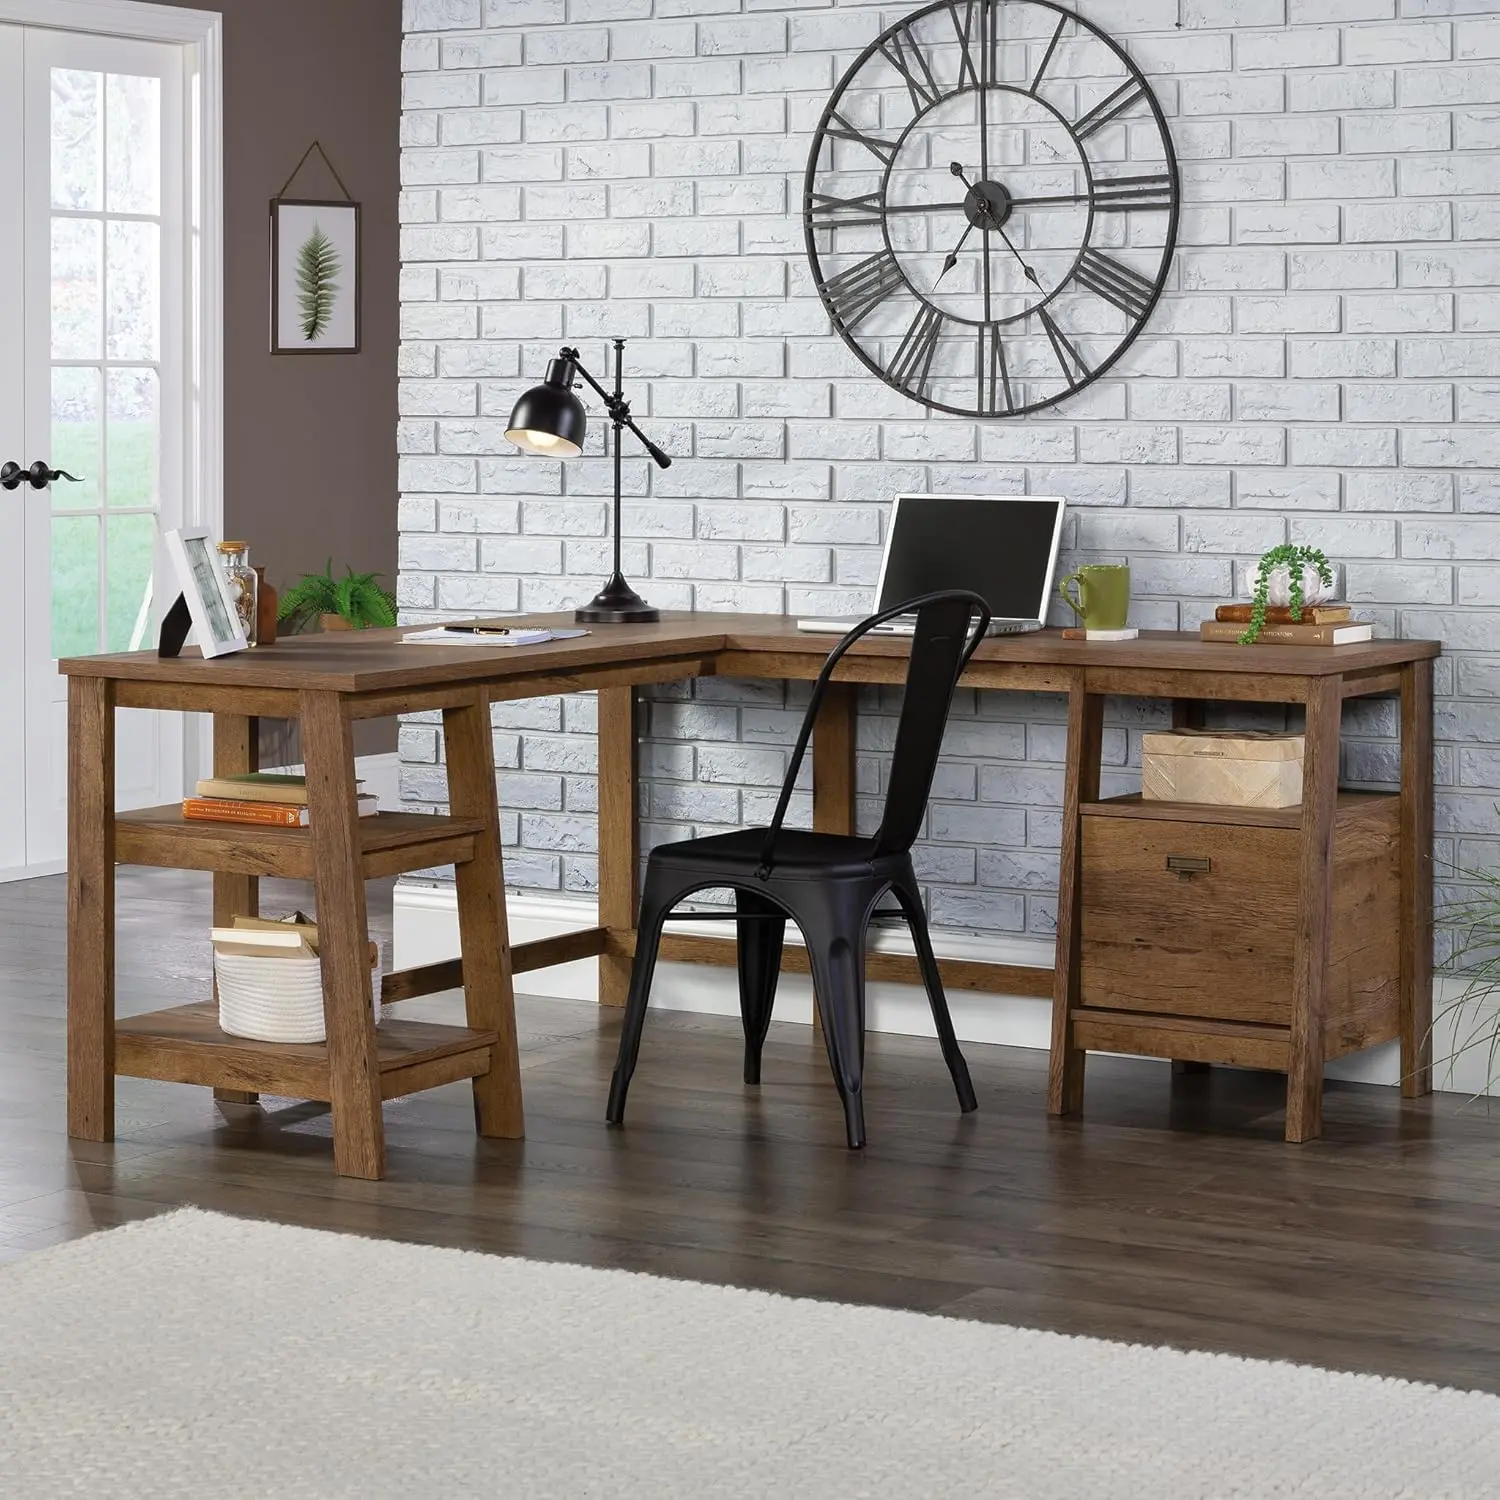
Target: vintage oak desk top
[(329, 681)]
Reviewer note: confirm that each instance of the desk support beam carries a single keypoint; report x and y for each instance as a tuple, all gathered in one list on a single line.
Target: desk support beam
[(343, 937), (619, 834), (1080, 785), (1320, 790), (91, 909), (1416, 879), (483, 929), (236, 751)]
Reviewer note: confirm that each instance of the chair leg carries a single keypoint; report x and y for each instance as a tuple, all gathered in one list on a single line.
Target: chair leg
[(916, 920), (759, 938), (656, 903), (838, 972)]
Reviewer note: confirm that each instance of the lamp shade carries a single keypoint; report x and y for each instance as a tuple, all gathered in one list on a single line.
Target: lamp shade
[(549, 419)]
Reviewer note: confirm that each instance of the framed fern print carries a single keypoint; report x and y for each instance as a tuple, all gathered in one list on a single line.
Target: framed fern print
[(315, 291)]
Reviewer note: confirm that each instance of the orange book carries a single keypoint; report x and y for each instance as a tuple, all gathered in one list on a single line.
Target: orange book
[(221, 810), (272, 814)]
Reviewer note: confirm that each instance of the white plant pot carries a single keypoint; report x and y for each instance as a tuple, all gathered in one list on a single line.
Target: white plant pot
[(1279, 585)]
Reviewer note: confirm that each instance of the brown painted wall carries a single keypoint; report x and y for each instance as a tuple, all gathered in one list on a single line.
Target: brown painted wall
[(310, 441)]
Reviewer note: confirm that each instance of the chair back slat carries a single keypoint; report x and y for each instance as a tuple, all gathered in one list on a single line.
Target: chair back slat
[(938, 653), (950, 624)]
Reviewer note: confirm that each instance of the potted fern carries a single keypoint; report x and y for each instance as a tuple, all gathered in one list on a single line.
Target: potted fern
[(1290, 576), (354, 602)]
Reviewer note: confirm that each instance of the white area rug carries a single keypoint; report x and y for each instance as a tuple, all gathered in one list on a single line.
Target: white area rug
[(196, 1354)]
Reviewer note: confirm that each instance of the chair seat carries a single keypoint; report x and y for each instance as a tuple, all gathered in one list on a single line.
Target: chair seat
[(799, 854)]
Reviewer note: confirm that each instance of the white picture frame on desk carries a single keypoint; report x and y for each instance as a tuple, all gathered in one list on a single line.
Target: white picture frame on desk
[(216, 622)]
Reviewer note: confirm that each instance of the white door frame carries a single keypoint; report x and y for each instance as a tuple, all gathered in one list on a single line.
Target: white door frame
[(200, 35)]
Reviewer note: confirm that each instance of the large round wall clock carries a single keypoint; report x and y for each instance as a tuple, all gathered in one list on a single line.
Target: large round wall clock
[(990, 205)]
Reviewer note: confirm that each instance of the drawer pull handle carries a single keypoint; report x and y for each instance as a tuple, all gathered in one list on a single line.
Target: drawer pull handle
[(1185, 866)]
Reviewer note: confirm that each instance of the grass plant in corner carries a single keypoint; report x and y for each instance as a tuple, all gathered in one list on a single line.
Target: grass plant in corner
[(357, 598), (1296, 559)]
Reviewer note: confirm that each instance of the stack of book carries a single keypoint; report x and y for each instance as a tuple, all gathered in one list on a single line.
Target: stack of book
[(1320, 625), (263, 937), (262, 797)]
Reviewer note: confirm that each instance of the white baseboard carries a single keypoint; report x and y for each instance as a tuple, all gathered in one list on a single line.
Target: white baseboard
[(426, 931)]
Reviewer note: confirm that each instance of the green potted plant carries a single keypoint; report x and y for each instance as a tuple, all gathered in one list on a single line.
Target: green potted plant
[(1289, 576), (354, 602), (1467, 1018)]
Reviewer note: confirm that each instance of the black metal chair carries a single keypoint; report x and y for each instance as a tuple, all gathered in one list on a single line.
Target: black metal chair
[(829, 884)]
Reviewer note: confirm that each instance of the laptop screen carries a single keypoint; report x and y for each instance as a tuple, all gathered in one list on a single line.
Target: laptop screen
[(1004, 549)]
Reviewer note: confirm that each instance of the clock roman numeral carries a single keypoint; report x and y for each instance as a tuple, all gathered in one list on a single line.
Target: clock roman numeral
[(825, 211), (913, 362), (909, 61), (1130, 92), (1036, 82), (968, 74), (1075, 371), (995, 397), (856, 292), (884, 149), (1122, 194), (1128, 290)]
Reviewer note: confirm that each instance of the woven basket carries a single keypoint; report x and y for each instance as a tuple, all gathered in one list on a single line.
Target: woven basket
[(273, 999)]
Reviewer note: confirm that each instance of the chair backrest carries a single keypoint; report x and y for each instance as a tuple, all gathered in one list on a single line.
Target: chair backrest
[(950, 624)]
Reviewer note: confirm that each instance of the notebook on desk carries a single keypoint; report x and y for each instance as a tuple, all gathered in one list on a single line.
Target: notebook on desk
[(1002, 547)]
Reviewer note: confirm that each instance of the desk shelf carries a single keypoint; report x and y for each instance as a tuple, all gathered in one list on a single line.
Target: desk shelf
[(185, 1045), (1350, 804), (391, 843)]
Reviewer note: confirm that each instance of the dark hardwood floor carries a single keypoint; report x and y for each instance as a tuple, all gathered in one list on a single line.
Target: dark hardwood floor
[(1171, 1213)]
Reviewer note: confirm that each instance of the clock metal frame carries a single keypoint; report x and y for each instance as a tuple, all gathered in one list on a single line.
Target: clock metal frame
[(1136, 320)]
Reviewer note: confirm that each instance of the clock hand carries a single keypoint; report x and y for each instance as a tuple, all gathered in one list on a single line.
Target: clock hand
[(1030, 274), (952, 259)]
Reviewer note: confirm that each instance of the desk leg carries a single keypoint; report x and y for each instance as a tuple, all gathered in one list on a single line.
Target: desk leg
[(1080, 785), (619, 834), (343, 937), (1320, 789), (484, 935), (91, 908), (236, 750), (1416, 879)]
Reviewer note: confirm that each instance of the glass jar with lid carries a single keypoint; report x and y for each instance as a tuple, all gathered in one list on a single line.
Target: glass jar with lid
[(234, 560)]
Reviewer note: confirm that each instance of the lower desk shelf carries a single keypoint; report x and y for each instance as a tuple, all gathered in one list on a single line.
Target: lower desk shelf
[(185, 1045), (391, 843)]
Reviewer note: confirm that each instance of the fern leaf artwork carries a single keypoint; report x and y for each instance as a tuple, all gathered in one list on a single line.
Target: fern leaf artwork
[(317, 283)]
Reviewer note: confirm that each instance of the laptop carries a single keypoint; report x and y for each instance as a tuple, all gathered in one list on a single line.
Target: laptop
[(1001, 547)]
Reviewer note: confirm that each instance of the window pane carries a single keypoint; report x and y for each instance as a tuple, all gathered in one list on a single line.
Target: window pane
[(131, 402), (77, 138), (132, 183), (75, 585), (77, 311), (129, 545), (75, 437), (134, 277)]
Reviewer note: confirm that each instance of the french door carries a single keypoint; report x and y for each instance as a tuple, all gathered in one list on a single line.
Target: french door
[(93, 356)]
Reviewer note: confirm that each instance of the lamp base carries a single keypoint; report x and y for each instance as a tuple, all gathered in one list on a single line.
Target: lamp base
[(617, 604)]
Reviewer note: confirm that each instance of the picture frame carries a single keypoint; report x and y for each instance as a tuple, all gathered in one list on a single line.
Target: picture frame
[(316, 249), (216, 623)]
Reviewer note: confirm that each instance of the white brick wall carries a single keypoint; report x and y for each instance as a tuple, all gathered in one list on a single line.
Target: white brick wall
[(1325, 366)]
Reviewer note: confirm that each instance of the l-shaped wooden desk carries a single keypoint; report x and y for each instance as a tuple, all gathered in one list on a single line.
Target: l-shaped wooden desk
[(329, 681)]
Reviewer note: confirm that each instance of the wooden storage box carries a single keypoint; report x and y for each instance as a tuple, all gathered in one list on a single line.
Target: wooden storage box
[(1188, 928), (1222, 768)]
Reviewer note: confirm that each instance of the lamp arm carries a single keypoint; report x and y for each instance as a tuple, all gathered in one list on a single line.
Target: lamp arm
[(617, 407)]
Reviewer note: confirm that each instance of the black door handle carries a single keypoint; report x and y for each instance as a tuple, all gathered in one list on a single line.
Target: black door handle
[(38, 476)]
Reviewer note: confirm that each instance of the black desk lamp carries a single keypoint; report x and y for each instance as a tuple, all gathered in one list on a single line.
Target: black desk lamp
[(549, 420)]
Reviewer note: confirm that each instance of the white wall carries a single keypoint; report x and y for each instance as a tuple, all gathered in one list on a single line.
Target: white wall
[(1324, 367)]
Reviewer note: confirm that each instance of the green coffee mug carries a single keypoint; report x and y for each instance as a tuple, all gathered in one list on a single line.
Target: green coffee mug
[(1103, 601)]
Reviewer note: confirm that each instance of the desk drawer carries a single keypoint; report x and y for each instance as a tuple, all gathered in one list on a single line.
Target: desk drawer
[(1189, 919)]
